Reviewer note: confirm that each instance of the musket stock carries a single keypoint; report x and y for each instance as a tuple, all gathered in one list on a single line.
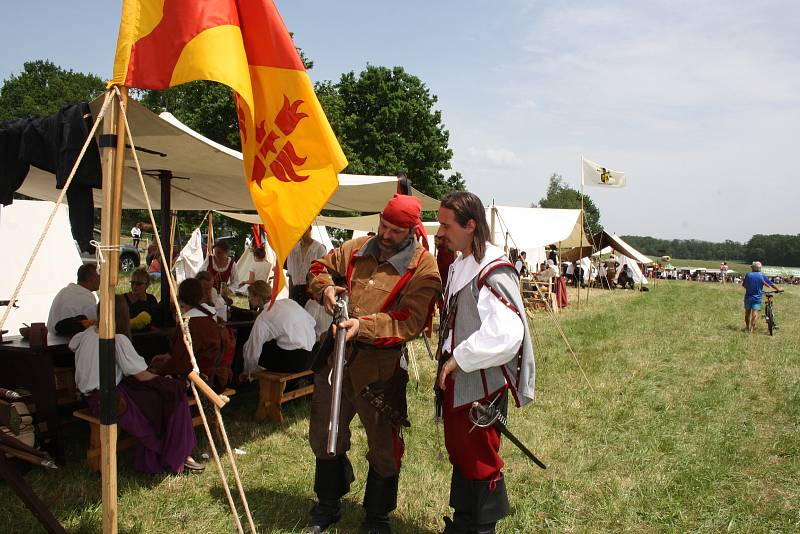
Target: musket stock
[(340, 314)]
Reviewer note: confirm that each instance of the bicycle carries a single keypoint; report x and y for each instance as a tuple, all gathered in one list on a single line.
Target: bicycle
[(769, 313)]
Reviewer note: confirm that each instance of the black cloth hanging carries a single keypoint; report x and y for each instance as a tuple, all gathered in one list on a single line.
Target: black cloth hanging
[(53, 145)]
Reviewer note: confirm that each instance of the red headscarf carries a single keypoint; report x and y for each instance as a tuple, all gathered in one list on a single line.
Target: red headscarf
[(404, 211)]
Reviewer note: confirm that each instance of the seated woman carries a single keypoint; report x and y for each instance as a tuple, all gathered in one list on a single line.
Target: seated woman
[(282, 337), (213, 343), (211, 296), (144, 308), (151, 408), (261, 268)]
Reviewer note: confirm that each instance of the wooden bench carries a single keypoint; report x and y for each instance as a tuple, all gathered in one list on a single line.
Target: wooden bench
[(272, 392), (124, 441)]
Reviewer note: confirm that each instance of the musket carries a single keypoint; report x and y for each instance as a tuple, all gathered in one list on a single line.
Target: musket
[(487, 415), (428, 346), (335, 379), (446, 324)]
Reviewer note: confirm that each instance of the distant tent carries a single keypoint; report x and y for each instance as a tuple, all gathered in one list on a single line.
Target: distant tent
[(602, 240)]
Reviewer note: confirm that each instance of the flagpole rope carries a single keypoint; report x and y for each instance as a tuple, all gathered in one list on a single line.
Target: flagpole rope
[(188, 341), (59, 201)]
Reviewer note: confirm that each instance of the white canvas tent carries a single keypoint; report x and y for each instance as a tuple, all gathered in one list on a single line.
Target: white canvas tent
[(636, 272), (531, 229), (617, 243), (604, 240), (206, 175), (21, 224)]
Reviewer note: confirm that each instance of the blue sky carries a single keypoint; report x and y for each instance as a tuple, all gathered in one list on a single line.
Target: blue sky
[(698, 102)]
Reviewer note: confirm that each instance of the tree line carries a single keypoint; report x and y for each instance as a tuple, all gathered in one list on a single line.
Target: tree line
[(772, 249)]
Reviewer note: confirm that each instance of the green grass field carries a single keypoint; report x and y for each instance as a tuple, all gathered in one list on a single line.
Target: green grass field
[(693, 426)]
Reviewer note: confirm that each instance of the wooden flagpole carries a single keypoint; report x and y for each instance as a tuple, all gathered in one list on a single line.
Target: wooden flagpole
[(580, 248), (113, 157)]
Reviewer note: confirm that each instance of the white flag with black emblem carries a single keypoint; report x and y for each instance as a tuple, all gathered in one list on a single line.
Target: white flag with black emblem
[(597, 175)]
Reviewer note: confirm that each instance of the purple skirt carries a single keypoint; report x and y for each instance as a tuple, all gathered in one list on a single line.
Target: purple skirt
[(155, 453)]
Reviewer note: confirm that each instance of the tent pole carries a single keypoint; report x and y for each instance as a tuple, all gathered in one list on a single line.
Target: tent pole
[(172, 225), (210, 240), (580, 262), (112, 159), (165, 177)]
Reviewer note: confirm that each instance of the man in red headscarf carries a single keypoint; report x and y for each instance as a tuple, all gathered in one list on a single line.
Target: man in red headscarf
[(393, 283)]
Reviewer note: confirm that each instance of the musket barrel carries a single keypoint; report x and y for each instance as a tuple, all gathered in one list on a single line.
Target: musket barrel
[(340, 315)]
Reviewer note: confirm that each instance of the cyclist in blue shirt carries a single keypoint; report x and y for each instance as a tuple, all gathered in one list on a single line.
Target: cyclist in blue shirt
[(754, 283)]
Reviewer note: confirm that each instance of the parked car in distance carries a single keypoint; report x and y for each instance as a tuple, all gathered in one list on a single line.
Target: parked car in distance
[(129, 257)]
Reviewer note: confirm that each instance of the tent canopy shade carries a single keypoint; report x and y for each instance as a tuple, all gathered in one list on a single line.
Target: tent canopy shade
[(206, 175), (531, 228)]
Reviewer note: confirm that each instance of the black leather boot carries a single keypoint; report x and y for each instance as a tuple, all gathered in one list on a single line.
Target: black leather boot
[(380, 498), (478, 505), (332, 480), (491, 504), (461, 503)]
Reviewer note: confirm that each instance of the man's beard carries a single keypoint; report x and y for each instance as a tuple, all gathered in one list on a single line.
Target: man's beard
[(394, 248)]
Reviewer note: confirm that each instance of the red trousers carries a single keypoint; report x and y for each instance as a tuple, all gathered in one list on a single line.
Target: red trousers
[(476, 453)]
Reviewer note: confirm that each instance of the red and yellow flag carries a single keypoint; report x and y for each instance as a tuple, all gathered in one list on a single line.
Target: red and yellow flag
[(291, 156)]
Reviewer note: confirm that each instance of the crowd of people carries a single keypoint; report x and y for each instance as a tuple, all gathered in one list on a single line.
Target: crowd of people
[(281, 339), (394, 283)]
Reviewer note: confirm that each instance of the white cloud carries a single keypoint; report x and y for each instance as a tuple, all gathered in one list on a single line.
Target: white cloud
[(495, 157)]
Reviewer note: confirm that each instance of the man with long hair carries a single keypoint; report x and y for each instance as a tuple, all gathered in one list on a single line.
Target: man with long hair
[(487, 356)]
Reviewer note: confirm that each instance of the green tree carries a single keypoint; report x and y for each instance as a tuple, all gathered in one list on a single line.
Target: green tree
[(386, 123), (560, 195), (42, 88)]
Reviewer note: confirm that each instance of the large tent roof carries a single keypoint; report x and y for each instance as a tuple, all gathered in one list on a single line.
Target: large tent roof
[(531, 228), (206, 174)]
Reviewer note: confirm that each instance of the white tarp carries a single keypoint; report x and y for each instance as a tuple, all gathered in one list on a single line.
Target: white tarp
[(531, 228), (56, 265), (206, 174), (191, 258)]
